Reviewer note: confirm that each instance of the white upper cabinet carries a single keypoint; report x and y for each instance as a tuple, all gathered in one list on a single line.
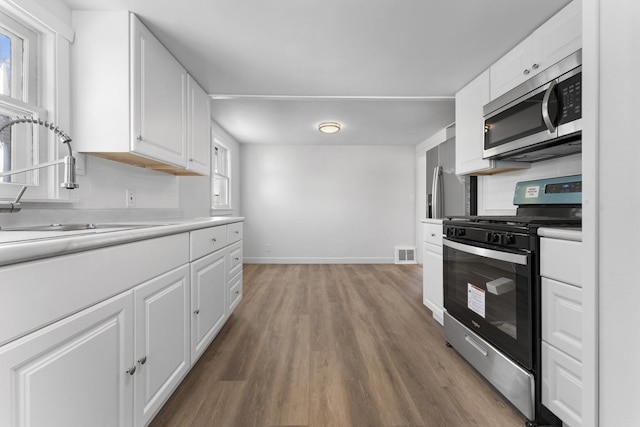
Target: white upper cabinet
[(198, 133), (470, 131), (556, 39), (159, 92), (130, 102)]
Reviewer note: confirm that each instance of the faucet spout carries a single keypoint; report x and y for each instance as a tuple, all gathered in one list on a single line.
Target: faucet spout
[(68, 160)]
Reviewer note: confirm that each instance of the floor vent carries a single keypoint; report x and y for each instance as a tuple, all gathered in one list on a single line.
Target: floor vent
[(405, 255)]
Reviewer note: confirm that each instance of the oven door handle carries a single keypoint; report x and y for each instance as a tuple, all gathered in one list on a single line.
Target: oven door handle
[(487, 253)]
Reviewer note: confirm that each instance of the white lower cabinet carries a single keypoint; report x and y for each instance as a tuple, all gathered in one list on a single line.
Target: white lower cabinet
[(562, 347), (208, 302), (84, 359), (73, 372), (162, 340), (432, 282)]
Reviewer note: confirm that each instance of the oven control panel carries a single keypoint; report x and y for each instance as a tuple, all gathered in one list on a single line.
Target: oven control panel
[(565, 190), (482, 234)]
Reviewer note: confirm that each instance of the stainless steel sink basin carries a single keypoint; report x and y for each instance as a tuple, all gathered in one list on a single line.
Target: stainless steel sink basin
[(74, 227)]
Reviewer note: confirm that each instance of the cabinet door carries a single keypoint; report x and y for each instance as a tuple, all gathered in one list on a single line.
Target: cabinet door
[(73, 372), (159, 90), (514, 68), (560, 36), (470, 125), (554, 40), (208, 301), (199, 130), (161, 340), (433, 295)]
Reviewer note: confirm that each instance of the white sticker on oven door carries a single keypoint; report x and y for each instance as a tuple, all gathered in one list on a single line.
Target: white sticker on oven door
[(532, 192), (475, 299)]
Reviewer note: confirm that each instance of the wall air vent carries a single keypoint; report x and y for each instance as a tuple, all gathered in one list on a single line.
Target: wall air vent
[(405, 255)]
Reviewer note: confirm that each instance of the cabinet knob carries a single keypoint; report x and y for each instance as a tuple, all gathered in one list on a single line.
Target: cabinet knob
[(433, 234), (139, 138), (143, 360), (526, 71), (237, 292), (213, 240), (535, 66), (237, 232), (131, 370), (197, 311), (237, 259)]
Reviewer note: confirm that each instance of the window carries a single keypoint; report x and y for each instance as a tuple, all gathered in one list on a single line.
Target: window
[(220, 175), (34, 82)]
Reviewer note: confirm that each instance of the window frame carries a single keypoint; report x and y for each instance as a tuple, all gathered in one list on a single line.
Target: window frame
[(219, 141)]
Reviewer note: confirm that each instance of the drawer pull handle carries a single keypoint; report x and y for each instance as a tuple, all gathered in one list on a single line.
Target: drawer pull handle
[(143, 360), (131, 370), (213, 240), (475, 345), (197, 311)]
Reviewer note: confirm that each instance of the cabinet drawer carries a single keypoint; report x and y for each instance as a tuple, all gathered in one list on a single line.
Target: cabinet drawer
[(234, 232), (235, 292), (562, 317), (207, 240), (561, 260), (562, 385), (432, 233), (234, 262)]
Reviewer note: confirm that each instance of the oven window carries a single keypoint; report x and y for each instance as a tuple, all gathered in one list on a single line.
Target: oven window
[(487, 287)]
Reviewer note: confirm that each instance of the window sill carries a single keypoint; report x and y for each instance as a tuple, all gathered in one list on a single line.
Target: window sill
[(221, 211)]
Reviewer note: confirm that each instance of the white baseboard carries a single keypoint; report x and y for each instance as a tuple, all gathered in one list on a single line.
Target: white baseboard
[(438, 312), (314, 260)]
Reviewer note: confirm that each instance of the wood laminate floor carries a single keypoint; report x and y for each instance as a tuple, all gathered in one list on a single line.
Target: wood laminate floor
[(334, 345)]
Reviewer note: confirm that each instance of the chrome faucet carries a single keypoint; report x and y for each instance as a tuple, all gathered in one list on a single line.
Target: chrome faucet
[(68, 160)]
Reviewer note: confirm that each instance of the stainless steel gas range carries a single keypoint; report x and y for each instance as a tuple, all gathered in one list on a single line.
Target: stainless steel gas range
[(492, 289)]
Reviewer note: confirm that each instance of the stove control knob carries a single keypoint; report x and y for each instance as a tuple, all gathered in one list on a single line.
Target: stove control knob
[(508, 239), (449, 231), (488, 237), (495, 237), (459, 232)]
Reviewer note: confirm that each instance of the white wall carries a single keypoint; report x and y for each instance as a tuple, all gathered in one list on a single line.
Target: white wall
[(327, 204), (495, 192), (615, 161)]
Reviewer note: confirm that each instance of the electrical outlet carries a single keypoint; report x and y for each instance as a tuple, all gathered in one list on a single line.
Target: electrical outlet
[(131, 198), (267, 247)]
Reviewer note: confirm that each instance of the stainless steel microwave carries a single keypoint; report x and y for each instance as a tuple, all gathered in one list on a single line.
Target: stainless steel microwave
[(539, 119)]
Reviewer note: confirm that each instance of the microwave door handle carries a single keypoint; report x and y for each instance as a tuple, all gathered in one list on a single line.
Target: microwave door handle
[(545, 107)]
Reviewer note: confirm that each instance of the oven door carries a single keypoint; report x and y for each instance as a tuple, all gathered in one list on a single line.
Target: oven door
[(490, 291)]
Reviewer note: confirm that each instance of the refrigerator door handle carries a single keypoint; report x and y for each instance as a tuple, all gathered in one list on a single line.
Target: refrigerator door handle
[(436, 191)]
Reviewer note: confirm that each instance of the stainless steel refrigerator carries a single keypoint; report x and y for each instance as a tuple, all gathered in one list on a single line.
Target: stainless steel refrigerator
[(448, 194)]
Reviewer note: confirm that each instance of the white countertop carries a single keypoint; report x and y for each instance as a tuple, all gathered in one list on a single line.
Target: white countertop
[(573, 234), (20, 246)]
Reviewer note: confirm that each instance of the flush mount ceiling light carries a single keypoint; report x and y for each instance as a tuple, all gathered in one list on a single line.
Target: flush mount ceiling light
[(329, 127)]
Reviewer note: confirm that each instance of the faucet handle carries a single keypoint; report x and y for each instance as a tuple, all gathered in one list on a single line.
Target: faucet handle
[(19, 196)]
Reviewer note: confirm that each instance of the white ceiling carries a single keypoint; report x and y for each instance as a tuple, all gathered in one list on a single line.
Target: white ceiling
[(386, 69)]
